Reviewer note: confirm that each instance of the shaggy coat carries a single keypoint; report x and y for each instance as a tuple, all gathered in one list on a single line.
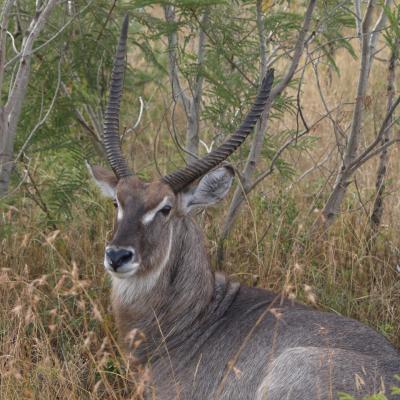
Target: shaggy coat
[(209, 338)]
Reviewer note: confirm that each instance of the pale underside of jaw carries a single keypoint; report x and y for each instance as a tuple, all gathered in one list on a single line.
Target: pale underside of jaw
[(124, 272)]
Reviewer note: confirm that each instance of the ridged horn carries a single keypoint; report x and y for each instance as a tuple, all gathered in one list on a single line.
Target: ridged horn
[(184, 176), (112, 142)]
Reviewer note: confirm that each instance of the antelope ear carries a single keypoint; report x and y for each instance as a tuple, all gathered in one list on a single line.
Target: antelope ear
[(105, 179), (212, 188)]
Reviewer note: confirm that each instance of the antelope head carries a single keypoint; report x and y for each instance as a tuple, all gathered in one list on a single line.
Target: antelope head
[(146, 212)]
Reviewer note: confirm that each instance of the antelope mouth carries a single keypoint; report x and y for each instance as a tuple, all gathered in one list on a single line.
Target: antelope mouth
[(126, 271)]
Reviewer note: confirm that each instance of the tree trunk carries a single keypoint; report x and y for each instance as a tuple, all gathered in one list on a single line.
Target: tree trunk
[(377, 210), (6, 153), (191, 104), (332, 206), (262, 125), (11, 111)]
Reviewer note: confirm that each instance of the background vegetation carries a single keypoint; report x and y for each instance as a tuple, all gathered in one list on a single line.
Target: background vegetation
[(57, 337)]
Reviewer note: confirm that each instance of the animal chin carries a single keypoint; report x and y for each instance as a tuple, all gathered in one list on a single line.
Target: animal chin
[(126, 271)]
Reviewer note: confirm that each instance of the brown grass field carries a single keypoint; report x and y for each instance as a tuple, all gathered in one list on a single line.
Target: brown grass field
[(58, 339)]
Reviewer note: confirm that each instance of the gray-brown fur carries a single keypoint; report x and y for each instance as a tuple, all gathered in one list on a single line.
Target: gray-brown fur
[(209, 338)]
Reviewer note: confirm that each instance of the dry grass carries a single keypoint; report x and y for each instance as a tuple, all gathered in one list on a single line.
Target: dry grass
[(57, 334)]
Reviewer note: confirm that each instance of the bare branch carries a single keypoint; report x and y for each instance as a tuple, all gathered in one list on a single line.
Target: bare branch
[(258, 141), (316, 166), (42, 120), (358, 17), (12, 106), (361, 88), (262, 40), (376, 31), (177, 91), (93, 131), (386, 125), (285, 146), (375, 152), (298, 51), (191, 104), (13, 42), (225, 54), (5, 13), (377, 209), (96, 118), (336, 128), (335, 199), (193, 128), (10, 113), (139, 118), (48, 41)]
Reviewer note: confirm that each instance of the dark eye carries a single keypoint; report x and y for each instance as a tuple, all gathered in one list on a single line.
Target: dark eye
[(115, 203), (166, 210)]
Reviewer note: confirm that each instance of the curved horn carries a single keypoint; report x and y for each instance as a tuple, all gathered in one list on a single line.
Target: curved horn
[(112, 141), (183, 177)]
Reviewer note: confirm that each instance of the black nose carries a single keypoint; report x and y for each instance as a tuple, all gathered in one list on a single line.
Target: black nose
[(117, 258)]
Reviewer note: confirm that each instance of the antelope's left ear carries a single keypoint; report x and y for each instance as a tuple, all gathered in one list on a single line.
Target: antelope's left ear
[(105, 179), (212, 188)]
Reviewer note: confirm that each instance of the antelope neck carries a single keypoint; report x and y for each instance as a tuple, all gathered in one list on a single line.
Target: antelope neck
[(186, 301)]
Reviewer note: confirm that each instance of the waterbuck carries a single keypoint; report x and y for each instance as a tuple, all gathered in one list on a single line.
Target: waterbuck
[(205, 336)]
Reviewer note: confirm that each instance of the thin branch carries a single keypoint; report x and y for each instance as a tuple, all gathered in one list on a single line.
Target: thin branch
[(316, 166), (139, 118), (106, 21), (358, 17), (5, 13), (333, 204), (13, 42), (374, 153), (223, 53), (201, 49), (298, 102), (336, 128), (386, 125), (96, 119), (37, 197), (43, 120), (361, 88), (298, 51), (257, 143), (21, 79), (279, 152), (175, 135), (58, 33), (93, 132), (262, 39), (193, 126), (177, 92), (379, 26), (380, 185), (276, 91)]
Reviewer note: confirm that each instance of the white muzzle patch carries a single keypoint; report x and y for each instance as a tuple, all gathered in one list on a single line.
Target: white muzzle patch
[(126, 270)]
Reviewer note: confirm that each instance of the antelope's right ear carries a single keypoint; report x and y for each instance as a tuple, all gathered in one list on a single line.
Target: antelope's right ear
[(212, 188), (105, 179)]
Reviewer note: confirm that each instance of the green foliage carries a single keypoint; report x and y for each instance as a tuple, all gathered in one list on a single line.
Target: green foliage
[(392, 34), (333, 22), (71, 69)]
